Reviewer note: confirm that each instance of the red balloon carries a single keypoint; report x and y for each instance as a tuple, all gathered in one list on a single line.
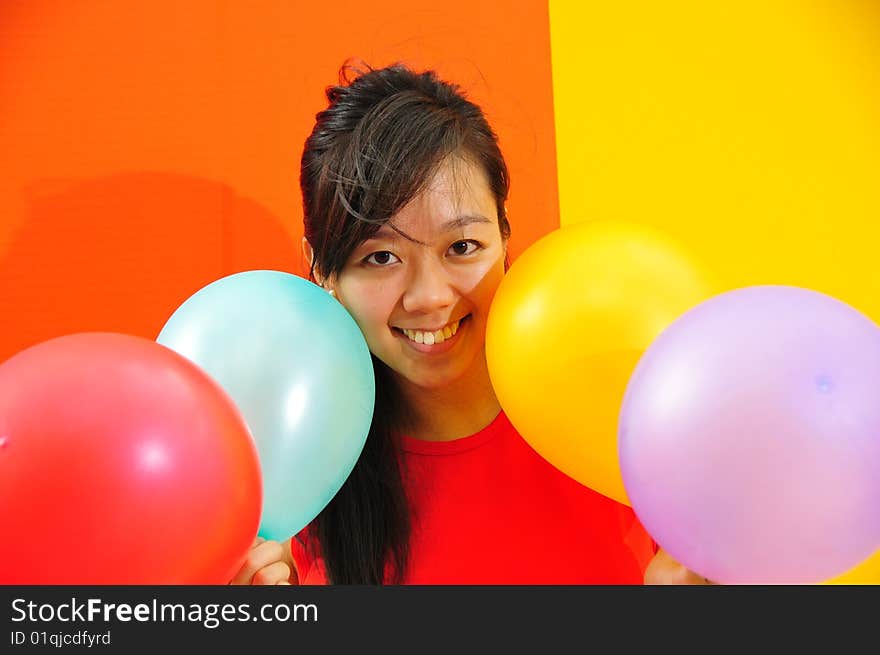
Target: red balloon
[(121, 462)]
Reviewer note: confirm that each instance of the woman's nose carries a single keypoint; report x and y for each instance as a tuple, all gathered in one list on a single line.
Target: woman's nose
[(429, 288)]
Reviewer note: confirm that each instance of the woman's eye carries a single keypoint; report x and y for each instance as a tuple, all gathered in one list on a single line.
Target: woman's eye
[(464, 247), (381, 258)]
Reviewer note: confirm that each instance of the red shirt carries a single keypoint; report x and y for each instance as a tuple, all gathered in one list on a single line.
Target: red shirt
[(487, 509)]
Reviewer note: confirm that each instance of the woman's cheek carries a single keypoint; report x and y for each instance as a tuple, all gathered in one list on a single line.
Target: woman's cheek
[(367, 306)]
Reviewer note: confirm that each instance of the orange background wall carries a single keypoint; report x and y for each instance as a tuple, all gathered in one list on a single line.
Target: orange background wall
[(147, 149)]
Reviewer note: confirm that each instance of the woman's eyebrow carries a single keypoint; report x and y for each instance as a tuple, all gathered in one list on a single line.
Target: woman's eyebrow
[(384, 233), (459, 222), (456, 224)]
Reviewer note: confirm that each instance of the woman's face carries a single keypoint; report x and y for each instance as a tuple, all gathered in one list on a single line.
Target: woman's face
[(422, 305)]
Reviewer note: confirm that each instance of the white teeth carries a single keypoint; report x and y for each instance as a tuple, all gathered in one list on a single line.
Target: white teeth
[(432, 338)]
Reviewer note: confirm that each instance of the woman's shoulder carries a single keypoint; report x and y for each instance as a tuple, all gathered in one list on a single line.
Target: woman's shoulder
[(306, 557)]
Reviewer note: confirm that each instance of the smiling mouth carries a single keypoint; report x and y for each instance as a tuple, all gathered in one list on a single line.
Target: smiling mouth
[(434, 337)]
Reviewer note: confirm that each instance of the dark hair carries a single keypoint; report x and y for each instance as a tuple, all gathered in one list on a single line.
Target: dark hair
[(374, 148)]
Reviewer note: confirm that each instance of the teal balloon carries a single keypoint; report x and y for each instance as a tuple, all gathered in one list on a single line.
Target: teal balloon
[(297, 366)]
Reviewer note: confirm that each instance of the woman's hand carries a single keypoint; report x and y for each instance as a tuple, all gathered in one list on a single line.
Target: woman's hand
[(663, 570), (267, 563)]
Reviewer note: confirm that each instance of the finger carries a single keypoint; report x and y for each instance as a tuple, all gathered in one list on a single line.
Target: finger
[(272, 574), (258, 557)]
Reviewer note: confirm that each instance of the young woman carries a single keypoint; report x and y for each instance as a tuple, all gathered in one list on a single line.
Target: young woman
[(404, 191)]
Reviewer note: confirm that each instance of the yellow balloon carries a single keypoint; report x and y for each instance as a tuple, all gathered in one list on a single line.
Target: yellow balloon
[(868, 572), (566, 328)]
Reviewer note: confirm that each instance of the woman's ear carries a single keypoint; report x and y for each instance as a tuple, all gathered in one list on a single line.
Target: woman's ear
[(308, 254), (309, 257), (505, 240)]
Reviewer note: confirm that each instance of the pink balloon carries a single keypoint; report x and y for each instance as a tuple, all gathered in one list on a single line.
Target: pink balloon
[(749, 437), (121, 462)]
